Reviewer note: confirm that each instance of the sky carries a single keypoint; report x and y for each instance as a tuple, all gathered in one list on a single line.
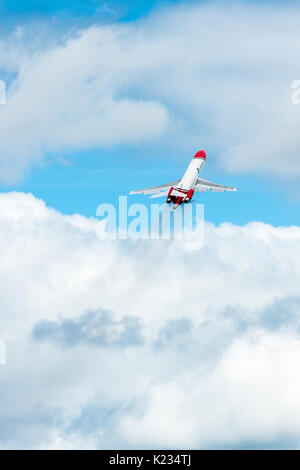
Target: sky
[(143, 343), (231, 97)]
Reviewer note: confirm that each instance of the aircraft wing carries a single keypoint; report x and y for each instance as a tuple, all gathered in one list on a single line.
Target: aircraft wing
[(203, 185), (156, 189)]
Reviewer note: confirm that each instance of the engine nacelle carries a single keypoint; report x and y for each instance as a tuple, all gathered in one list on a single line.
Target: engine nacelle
[(169, 199), (170, 191), (189, 195)]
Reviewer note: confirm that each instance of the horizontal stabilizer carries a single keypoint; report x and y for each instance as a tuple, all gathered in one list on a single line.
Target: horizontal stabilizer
[(163, 193), (155, 189), (178, 193)]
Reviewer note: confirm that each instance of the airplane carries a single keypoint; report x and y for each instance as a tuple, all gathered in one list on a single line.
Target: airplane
[(182, 191)]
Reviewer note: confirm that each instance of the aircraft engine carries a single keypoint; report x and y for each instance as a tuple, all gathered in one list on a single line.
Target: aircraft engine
[(189, 195)]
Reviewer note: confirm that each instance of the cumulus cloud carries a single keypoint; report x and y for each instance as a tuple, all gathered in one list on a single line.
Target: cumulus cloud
[(126, 344), (68, 97), (97, 328), (218, 76)]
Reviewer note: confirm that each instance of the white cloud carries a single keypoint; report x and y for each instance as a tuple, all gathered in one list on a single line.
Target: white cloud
[(215, 76), (68, 97), (197, 348), (249, 397)]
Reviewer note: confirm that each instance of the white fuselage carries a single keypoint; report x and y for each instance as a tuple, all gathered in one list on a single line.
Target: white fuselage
[(191, 174)]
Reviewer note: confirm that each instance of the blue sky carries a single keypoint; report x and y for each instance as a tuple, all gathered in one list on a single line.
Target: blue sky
[(77, 181), (80, 9), (131, 9), (80, 187)]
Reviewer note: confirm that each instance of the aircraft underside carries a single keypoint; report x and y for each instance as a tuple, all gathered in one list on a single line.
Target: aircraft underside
[(179, 196)]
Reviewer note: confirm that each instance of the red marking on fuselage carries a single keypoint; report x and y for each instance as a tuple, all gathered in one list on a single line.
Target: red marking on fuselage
[(200, 154)]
